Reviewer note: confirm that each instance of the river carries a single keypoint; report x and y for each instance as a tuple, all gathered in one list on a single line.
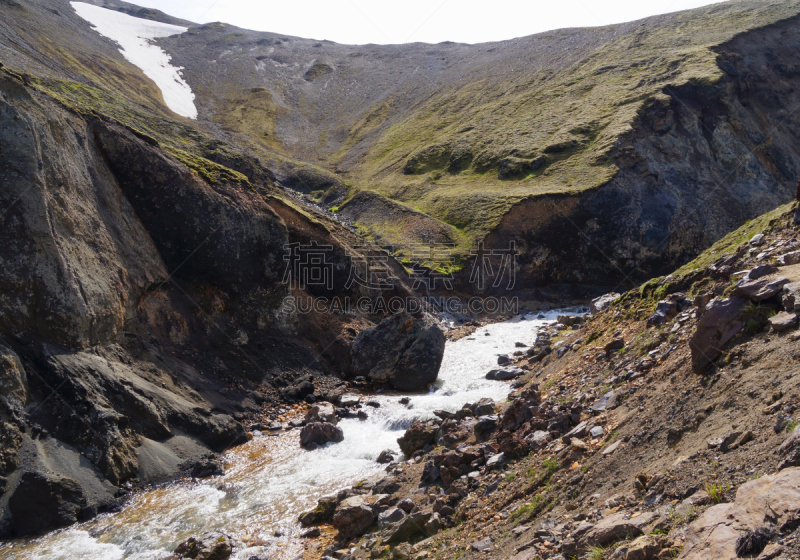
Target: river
[(269, 481)]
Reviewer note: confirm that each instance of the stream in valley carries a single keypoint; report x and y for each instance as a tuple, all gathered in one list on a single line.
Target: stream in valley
[(269, 481)]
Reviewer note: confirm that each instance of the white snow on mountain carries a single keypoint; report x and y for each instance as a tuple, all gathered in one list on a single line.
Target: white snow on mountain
[(134, 36)]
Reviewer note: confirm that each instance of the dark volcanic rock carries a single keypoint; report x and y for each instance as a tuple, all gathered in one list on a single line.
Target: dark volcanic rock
[(43, 502), (401, 350)]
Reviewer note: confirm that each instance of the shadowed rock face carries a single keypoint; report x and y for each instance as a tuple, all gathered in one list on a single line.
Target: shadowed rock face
[(132, 291)]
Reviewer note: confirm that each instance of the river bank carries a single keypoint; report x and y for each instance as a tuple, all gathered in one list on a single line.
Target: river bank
[(270, 480)]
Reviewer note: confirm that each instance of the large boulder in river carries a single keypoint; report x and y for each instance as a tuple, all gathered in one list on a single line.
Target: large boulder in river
[(402, 350), (320, 433), (720, 323)]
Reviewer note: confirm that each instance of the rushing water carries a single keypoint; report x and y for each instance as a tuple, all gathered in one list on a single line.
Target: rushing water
[(269, 481)]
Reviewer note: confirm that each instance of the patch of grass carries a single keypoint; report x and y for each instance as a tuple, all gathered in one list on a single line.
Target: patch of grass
[(598, 553), (509, 476), (715, 491), (791, 426), (551, 464)]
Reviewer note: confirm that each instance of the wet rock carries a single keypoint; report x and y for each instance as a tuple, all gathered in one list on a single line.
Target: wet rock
[(503, 360), (402, 350), (783, 321), (210, 466), (386, 456), (720, 322), (320, 433), (770, 500), (43, 502), (759, 290), (321, 412), (416, 437), (503, 374), (348, 400), (211, 546), (601, 303), (323, 513), (311, 534)]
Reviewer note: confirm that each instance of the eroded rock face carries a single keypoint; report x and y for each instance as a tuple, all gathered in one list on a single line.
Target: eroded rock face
[(402, 350), (720, 322), (772, 501)]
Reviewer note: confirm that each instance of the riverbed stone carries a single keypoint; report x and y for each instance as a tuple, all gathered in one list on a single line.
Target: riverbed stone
[(321, 412), (416, 437), (211, 546), (323, 513), (45, 501), (352, 519), (320, 433)]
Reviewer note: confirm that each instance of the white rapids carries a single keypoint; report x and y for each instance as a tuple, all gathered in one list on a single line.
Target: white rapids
[(269, 481), (134, 36)]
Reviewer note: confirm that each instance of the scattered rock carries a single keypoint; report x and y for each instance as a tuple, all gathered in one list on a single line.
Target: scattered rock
[(386, 456), (503, 374), (483, 545), (353, 517), (759, 290), (602, 303), (321, 412), (783, 321), (720, 322), (416, 437)]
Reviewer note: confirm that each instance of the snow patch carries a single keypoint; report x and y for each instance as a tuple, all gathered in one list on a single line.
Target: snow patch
[(134, 36)]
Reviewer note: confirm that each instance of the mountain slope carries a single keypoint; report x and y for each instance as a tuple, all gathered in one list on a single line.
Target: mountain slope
[(624, 131)]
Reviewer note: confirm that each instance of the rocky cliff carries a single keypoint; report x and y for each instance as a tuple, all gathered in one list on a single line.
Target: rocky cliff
[(141, 291)]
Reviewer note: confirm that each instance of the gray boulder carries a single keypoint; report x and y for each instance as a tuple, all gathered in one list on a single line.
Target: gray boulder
[(602, 303), (761, 289), (720, 323), (322, 412), (402, 350)]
